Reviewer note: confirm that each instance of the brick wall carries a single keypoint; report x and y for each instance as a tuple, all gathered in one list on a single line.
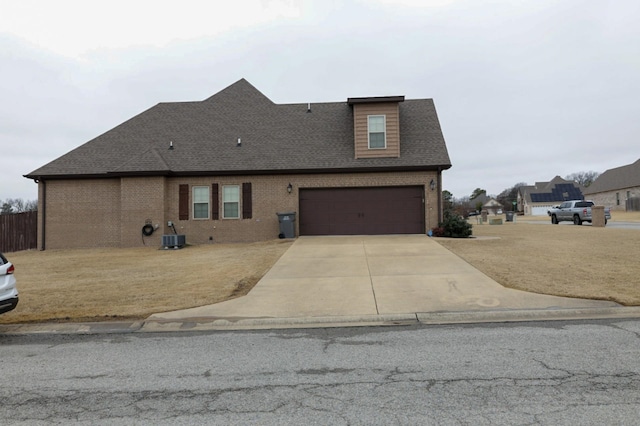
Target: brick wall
[(142, 202), (609, 199), (80, 213), (112, 212), (270, 196)]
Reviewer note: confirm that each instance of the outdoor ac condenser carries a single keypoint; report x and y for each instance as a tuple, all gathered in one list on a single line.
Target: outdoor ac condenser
[(173, 241)]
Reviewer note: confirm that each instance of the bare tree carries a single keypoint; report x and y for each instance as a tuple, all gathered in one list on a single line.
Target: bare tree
[(17, 205), (31, 206), (583, 178), (460, 205), (509, 195)]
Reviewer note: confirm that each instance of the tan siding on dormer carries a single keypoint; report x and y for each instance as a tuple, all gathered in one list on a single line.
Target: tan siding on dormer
[(360, 114)]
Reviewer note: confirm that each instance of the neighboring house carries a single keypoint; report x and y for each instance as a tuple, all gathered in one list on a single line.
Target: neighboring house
[(617, 188), (536, 200), (479, 200), (219, 170), (492, 206)]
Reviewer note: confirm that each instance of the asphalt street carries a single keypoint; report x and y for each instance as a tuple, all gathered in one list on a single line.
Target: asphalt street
[(548, 373), (619, 225)]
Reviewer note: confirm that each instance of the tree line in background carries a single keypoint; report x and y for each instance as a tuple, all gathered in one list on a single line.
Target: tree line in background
[(17, 205), (583, 178), (463, 205), (460, 205)]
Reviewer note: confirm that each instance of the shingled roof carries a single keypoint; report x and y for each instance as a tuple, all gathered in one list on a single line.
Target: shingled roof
[(275, 138), (556, 190), (615, 179)]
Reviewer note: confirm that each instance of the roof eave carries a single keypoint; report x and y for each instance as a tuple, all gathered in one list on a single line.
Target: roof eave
[(68, 176), (375, 100), (168, 173)]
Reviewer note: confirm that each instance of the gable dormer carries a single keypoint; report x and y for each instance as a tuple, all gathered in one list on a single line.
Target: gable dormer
[(376, 124)]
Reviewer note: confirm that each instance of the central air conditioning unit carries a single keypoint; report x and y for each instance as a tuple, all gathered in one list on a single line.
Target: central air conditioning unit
[(173, 241)]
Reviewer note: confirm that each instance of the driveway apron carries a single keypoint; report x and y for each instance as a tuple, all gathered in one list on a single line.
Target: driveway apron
[(374, 275)]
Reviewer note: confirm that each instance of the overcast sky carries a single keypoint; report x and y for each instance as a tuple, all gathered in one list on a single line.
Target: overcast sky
[(525, 90)]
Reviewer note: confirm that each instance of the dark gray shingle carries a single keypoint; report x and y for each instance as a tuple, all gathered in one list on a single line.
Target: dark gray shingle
[(616, 179), (275, 139)]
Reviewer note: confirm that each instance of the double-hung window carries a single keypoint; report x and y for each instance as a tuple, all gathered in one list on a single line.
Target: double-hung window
[(231, 202), (201, 202), (377, 131)]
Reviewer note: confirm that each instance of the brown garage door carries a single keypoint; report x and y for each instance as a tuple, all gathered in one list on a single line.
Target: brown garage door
[(362, 211)]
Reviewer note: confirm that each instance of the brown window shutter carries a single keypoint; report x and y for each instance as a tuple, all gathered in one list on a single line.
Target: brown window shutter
[(183, 202), (246, 201), (215, 214)]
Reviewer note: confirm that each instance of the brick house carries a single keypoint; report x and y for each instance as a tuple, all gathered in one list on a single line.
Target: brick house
[(617, 188), (536, 200), (220, 169)]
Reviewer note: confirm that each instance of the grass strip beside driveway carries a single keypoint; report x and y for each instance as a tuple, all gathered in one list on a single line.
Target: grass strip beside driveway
[(561, 260), (118, 284), (133, 283)]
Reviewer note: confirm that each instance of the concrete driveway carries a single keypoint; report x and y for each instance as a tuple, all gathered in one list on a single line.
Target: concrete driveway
[(367, 276)]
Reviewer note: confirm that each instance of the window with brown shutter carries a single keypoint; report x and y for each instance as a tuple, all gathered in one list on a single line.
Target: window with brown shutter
[(215, 203), (246, 200), (183, 202)]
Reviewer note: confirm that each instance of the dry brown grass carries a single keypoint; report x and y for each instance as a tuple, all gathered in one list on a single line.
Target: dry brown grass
[(615, 217), (562, 260), (107, 284)]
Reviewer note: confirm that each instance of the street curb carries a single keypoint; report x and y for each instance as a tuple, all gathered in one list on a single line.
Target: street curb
[(527, 315), (105, 327), (158, 325), (205, 323), (426, 318)]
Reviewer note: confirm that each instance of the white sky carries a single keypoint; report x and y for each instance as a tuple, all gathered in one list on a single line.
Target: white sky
[(525, 90)]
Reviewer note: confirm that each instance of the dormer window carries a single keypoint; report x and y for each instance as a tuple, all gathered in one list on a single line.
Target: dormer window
[(377, 131), (376, 126)]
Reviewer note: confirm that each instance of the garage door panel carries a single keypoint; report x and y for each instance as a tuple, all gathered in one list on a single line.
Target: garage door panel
[(540, 211), (361, 211)]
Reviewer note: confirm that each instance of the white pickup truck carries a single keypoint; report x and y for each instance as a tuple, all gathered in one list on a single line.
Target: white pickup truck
[(576, 211)]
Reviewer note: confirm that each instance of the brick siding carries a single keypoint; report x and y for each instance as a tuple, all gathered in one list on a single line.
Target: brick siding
[(112, 212), (609, 199)]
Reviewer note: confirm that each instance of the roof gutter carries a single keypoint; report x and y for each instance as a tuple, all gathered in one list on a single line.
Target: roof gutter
[(189, 173)]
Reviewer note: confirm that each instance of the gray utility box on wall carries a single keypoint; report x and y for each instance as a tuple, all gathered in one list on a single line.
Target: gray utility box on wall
[(173, 241), (287, 225)]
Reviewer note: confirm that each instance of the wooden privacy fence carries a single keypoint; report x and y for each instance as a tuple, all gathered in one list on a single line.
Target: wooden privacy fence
[(633, 204), (18, 231)]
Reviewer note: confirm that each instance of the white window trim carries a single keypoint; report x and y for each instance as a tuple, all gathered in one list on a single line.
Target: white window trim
[(193, 203), (223, 202), (384, 120)]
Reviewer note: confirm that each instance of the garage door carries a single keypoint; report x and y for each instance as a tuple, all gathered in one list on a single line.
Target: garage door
[(540, 211), (362, 211)]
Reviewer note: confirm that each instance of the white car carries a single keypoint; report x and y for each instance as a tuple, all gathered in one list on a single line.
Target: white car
[(8, 290)]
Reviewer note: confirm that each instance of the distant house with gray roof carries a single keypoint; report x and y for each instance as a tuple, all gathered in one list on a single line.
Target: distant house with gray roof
[(487, 203), (219, 170), (617, 188), (536, 200)]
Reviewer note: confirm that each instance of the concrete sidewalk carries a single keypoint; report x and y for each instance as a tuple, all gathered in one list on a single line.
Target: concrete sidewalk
[(372, 280)]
